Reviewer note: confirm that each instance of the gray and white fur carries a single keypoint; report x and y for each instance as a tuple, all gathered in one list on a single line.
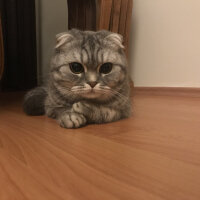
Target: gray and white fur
[(98, 93)]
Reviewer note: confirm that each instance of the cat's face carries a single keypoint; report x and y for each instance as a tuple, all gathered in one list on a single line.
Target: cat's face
[(90, 65)]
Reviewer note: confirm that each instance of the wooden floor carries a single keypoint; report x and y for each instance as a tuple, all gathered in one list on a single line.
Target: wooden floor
[(155, 155)]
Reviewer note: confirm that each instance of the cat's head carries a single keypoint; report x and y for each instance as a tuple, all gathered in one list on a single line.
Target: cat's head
[(90, 65)]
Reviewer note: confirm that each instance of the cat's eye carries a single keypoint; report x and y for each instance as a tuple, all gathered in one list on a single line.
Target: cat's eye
[(106, 68), (76, 68)]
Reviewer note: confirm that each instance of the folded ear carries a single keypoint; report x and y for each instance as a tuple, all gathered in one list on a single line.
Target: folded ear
[(63, 38), (116, 39)]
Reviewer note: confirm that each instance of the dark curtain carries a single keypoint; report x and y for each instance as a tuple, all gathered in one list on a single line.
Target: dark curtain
[(19, 33)]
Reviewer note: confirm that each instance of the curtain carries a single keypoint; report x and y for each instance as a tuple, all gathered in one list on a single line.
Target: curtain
[(19, 34)]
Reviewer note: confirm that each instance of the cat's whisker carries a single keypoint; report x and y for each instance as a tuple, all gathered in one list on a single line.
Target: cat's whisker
[(124, 99), (81, 90), (115, 92)]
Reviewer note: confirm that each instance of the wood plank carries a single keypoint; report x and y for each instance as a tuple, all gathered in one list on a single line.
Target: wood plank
[(81, 19), (90, 15), (103, 14), (115, 16), (153, 155), (72, 13), (122, 19), (128, 25), (82, 15)]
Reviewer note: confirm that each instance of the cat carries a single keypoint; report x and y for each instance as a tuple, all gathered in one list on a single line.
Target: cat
[(88, 81)]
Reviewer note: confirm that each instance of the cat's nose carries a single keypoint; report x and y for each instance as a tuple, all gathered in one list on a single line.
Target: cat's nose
[(92, 83)]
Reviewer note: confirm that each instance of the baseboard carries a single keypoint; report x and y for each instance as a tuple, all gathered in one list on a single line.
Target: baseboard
[(168, 91)]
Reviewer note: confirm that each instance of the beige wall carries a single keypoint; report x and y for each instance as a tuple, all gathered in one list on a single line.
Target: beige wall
[(51, 19), (165, 43)]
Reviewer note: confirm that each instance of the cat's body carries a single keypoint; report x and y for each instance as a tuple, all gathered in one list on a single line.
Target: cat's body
[(88, 81)]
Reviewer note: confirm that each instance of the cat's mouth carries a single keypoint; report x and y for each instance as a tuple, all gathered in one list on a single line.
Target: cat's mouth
[(92, 94)]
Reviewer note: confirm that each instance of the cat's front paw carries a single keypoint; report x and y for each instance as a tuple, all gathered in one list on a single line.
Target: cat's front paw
[(71, 120), (81, 108)]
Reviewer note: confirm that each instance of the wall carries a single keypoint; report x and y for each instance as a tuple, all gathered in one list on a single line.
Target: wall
[(165, 43), (51, 19)]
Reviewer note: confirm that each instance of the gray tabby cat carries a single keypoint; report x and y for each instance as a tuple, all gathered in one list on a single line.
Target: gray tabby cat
[(88, 81)]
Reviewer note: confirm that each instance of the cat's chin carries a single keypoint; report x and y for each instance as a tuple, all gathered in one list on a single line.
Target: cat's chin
[(91, 95), (94, 95)]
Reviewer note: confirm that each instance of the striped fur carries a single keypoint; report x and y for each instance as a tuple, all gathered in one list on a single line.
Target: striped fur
[(68, 97)]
